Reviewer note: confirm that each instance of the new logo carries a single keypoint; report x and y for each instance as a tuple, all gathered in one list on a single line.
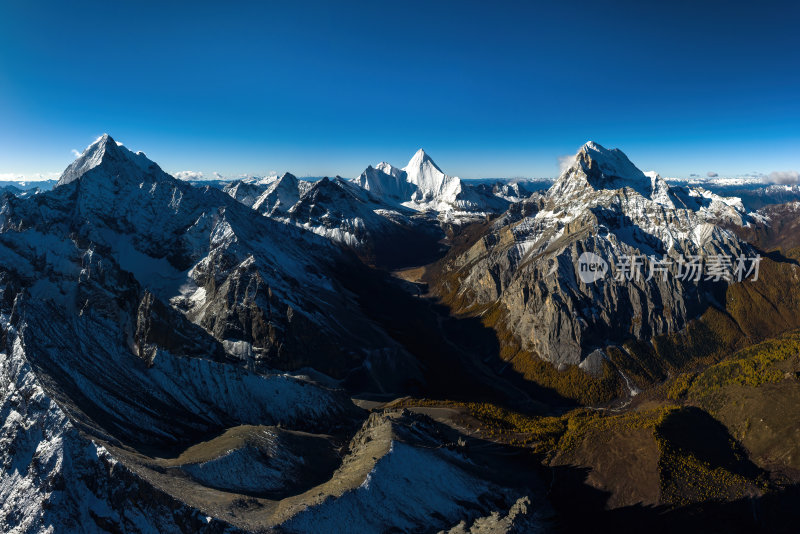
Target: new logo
[(591, 267)]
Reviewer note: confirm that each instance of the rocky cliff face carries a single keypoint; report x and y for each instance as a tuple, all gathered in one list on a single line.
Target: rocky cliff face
[(527, 263)]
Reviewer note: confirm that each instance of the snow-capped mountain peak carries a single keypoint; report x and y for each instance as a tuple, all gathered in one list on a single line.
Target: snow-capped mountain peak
[(421, 162), (603, 187), (280, 196), (612, 164), (423, 186), (601, 204), (420, 157), (114, 157), (597, 168)]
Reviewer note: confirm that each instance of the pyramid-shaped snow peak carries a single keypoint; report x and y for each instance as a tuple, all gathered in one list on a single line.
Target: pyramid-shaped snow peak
[(420, 158), (280, 196), (432, 184), (113, 159)]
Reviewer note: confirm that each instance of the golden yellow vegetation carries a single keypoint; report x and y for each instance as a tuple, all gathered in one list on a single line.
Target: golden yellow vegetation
[(685, 479), (678, 388), (752, 366), (548, 434)]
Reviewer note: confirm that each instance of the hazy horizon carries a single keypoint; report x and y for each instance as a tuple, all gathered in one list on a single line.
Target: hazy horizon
[(188, 174)]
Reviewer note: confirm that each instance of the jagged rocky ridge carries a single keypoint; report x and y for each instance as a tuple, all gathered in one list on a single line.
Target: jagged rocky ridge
[(386, 213), (379, 233), (344, 214), (526, 263)]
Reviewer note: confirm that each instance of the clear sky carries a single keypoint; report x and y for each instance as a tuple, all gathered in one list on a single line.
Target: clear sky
[(488, 89)]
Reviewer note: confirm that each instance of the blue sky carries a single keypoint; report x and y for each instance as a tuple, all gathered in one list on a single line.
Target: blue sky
[(500, 89)]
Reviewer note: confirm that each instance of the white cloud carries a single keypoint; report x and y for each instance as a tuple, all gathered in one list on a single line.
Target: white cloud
[(45, 176), (564, 162), (711, 174), (76, 153), (783, 177), (188, 175)]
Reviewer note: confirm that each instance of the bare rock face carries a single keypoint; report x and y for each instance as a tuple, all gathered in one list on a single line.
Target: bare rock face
[(528, 262), (158, 325)]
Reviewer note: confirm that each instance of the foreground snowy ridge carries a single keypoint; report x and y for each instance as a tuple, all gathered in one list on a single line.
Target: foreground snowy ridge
[(56, 478)]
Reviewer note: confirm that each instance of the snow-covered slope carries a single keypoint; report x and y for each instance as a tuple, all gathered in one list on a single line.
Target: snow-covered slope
[(20, 191), (386, 182), (265, 461), (754, 194), (55, 479), (515, 190), (340, 211), (29, 185), (402, 475), (605, 180)]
